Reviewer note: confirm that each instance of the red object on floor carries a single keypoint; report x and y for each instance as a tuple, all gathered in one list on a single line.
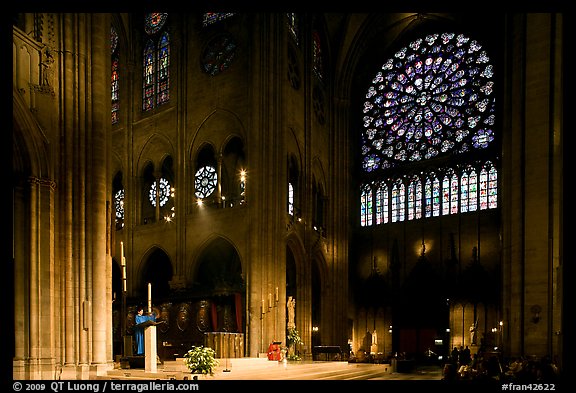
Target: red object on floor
[(274, 351)]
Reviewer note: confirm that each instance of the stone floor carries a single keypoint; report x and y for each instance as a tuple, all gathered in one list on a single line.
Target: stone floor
[(264, 369)]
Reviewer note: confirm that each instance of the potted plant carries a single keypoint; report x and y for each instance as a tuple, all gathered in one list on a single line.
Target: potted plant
[(201, 360), (292, 339)]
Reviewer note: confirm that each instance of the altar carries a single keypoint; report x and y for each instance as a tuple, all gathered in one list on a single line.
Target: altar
[(226, 345)]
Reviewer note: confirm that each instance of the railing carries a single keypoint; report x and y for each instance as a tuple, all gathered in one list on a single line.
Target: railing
[(32, 67)]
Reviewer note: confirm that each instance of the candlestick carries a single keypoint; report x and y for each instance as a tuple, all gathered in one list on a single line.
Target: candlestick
[(276, 295), (125, 344), (269, 300), (123, 262), (149, 298), (263, 306), (124, 274)]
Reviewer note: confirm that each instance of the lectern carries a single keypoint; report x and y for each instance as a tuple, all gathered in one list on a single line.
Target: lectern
[(150, 346)]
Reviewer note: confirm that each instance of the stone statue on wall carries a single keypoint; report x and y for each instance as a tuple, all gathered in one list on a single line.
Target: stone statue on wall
[(374, 345), (473, 330), (47, 71)]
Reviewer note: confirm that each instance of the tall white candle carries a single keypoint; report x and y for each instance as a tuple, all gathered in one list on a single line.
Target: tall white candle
[(276, 295), (149, 297)]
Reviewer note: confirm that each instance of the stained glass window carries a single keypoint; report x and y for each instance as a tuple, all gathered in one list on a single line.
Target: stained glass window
[(159, 191), (446, 195), (119, 205), (205, 181), (398, 200), (290, 199), (293, 27), (414, 198), (472, 191), (428, 198), (411, 199), (428, 195), (163, 69), (218, 54), (492, 188), (454, 193), (418, 205), (381, 203), (434, 97), (113, 40), (149, 80), (317, 59), (212, 17), (436, 197), (366, 206), (243, 186), (488, 187), (115, 75), (464, 193), (468, 190), (154, 21), (156, 62)]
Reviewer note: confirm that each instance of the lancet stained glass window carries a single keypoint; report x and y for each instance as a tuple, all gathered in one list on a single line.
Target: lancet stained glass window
[(293, 27), (119, 205), (430, 195), (414, 198), (398, 199), (115, 75), (163, 69), (156, 62), (366, 206), (435, 196), (381, 203), (488, 187), (317, 55), (290, 199)]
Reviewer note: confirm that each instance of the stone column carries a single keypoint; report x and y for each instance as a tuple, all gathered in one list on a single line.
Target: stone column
[(99, 187)]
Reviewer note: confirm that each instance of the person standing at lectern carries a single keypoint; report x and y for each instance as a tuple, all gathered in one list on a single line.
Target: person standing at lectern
[(139, 330)]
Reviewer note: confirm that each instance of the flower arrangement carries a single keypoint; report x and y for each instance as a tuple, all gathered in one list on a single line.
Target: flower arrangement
[(292, 339), (201, 360)]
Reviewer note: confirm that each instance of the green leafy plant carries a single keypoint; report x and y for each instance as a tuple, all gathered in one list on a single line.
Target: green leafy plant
[(293, 357), (293, 337), (201, 360)]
